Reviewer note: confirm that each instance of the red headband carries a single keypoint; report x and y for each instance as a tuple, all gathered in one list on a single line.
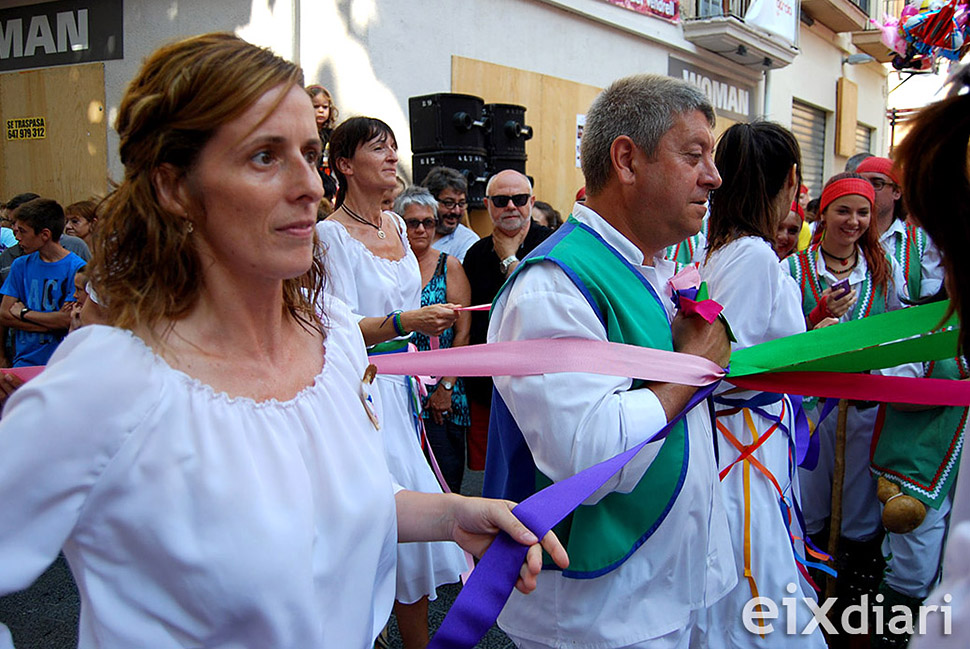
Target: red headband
[(797, 209), (880, 166), (844, 187), (581, 194)]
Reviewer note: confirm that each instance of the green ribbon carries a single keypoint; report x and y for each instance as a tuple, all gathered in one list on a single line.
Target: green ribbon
[(885, 340)]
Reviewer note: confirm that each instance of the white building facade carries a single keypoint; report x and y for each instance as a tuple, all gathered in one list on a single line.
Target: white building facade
[(783, 62)]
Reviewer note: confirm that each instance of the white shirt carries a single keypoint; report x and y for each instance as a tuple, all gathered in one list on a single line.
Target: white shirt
[(747, 279), (931, 263), (761, 302), (193, 519), (457, 243), (574, 420)]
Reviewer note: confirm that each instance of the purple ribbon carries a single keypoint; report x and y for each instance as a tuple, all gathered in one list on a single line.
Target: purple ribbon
[(481, 600)]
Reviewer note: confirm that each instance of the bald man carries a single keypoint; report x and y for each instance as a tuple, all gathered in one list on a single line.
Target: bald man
[(509, 199)]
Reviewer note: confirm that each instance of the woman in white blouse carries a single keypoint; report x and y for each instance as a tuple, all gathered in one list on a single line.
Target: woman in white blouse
[(758, 164), (207, 463), (370, 267)]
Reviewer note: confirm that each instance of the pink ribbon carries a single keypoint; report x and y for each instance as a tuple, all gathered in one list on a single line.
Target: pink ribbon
[(683, 288), (688, 277), (533, 357), (23, 373), (707, 309)]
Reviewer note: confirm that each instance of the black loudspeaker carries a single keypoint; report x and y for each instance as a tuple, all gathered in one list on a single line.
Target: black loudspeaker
[(496, 165), (447, 122), (471, 165), (508, 133)]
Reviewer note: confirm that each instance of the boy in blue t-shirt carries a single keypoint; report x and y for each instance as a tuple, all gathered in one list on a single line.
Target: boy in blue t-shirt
[(40, 283)]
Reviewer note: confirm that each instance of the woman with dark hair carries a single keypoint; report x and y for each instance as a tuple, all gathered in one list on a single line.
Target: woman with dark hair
[(218, 481), (371, 268), (847, 276), (545, 214), (758, 164)]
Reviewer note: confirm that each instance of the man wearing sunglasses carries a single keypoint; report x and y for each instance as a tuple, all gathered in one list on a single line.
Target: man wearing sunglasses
[(908, 244), (488, 263), (450, 188), (650, 552)]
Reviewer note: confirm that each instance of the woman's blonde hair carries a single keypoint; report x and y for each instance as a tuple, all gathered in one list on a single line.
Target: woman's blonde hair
[(146, 267)]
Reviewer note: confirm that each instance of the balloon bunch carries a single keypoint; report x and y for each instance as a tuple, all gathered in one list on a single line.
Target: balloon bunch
[(925, 32)]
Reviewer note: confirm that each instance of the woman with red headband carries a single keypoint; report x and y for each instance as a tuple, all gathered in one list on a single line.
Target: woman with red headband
[(847, 276)]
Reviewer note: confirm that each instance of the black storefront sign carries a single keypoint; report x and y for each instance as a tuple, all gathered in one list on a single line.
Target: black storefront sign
[(61, 33), (730, 98)]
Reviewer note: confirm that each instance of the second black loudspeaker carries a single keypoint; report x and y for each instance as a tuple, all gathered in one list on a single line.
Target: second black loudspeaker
[(508, 131), (448, 122)]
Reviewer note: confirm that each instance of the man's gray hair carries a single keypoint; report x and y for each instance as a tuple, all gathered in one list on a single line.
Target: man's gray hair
[(415, 195), (642, 107), (441, 178)]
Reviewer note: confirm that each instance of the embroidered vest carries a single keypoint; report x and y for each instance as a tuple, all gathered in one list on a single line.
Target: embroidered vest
[(598, 537), (909, 251), (920, 451), (803, 266), (683, 253)]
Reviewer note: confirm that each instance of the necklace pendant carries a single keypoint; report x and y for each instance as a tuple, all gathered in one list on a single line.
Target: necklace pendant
[(381, 235)]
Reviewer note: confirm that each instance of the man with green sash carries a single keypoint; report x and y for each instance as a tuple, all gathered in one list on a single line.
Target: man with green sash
[(908, 244), (651, 550)]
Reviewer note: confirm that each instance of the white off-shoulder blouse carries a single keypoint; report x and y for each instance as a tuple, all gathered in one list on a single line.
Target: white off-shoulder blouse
[(192, 519)]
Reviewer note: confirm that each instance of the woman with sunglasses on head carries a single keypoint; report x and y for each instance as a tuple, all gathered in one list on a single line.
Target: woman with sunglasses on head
[(759, 179), (371, 268), (445, 409), (217, 482), (847, 276)]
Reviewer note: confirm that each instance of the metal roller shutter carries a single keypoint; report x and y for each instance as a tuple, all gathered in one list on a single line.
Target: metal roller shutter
[(863, 139), (808, 125)]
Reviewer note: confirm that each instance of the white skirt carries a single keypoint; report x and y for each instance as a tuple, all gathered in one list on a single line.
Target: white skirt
[(421, 567)]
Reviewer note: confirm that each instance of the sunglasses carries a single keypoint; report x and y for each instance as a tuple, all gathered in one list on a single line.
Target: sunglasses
[(414, 224), (502, 200)]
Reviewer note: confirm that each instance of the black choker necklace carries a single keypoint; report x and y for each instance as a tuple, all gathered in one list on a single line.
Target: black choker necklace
[(357, 217), (844, 269), (843, 260)]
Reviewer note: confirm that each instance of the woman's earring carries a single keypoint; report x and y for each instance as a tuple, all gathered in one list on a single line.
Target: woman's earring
[(189, 227)]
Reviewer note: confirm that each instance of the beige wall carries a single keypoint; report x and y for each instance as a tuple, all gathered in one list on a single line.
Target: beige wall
[(551, 108), (70, 163)]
